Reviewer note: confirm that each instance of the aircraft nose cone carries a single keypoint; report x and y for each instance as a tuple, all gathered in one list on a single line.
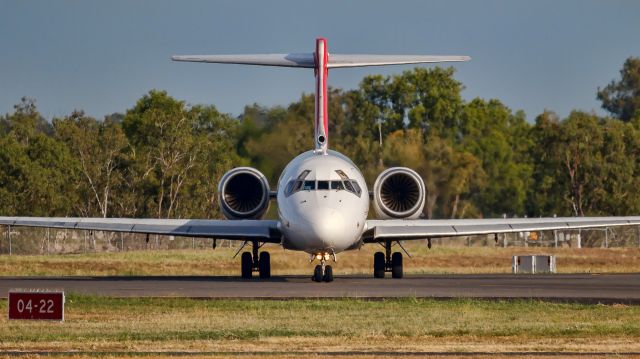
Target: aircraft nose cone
[(328, 226)]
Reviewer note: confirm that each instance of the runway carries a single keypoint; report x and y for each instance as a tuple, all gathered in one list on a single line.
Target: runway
[(588, 288)]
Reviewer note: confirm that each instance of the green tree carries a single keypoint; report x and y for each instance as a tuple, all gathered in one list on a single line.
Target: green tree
[(428, 99), (621, 173), (585, 165), (622, 98), (547, 193), (500, 140), (97, 147), (35, 169), (173, 149)]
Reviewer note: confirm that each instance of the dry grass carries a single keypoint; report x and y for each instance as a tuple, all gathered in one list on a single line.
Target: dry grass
[(322, 354), (97, 324), (317, 355), (220, 262)]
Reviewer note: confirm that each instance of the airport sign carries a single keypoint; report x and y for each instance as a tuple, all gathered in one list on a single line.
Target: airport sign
[(36, 305)]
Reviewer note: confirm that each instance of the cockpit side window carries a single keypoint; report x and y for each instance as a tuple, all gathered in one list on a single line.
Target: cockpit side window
[(349, 186), (303, 174), (296, 185), (342, 174), (289, 189), (353, 187), (292, 187), (357, 188)]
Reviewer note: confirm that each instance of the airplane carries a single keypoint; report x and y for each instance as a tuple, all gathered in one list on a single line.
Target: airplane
[(323, 199)]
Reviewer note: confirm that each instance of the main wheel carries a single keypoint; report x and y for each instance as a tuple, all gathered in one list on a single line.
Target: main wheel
[(246, 265), (317, 274), (264, 265), (378, 265), (328, 274), (396, 265)]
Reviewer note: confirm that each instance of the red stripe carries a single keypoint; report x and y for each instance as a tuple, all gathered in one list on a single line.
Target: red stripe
[(321, 88), (318, 87), (324, 91)]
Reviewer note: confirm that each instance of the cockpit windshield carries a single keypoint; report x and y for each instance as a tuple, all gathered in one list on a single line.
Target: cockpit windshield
[(323, 185), (300, 184), (309, 185)]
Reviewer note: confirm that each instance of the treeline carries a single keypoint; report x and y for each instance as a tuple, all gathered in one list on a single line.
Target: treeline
[(163, 158)]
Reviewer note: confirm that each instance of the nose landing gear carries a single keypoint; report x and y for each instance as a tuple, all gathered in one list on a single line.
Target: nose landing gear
[(322, 272), (255, 262), (387, 262)]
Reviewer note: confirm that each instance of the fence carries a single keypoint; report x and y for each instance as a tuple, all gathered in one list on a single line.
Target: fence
[(29, 241)]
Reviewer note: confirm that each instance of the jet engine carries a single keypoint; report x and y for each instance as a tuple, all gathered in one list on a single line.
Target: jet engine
[(243, 193), (398, 192)]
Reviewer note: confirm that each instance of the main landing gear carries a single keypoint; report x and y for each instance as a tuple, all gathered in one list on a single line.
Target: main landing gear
[(387, 262), (256, 262), (322, 272)]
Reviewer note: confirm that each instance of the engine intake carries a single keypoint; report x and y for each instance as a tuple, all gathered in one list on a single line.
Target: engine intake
[(243, 193), (398, 192)]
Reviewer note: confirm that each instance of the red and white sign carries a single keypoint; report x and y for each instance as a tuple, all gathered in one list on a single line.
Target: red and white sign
[(36, 305)]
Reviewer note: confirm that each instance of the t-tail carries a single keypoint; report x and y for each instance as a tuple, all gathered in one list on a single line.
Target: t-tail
[(320, 61)]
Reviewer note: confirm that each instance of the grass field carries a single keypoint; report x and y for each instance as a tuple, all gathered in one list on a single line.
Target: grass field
[(98, 324), (221, 262)]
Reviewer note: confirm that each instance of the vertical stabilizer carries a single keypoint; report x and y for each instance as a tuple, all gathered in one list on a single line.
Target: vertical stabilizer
[(321, 125)]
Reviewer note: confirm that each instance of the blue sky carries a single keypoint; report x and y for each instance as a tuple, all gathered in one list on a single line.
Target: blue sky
[(101, 56)]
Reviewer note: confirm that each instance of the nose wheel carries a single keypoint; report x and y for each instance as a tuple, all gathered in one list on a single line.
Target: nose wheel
[(322, 272), (255, 262), (387, 262)]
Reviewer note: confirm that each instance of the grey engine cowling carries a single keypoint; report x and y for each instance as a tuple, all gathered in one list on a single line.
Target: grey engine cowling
[(398, 192), (243, 193)]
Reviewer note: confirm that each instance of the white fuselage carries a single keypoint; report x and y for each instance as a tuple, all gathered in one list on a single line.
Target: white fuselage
[(323, 203)]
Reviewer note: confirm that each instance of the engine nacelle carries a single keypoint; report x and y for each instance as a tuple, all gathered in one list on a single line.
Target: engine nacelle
[(398, 192), (243, 193)]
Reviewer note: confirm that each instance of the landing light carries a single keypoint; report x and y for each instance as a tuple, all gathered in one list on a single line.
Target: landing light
[(327, 256), (318, 256)]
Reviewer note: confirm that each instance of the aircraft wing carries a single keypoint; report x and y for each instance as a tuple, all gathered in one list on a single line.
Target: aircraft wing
[(398, 229), (262, 230)]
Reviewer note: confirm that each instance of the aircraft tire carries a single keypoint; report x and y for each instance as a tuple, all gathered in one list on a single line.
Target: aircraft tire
[(264, 265), (328, 274), (378, 265), (246, 265), (396, 265), (317, 274)]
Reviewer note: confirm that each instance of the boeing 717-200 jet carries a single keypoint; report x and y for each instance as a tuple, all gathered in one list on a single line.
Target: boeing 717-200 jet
[(322, 197)]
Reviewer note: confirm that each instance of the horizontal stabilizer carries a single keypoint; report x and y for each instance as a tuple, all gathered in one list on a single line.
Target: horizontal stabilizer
[(284, 60), (307, 60), (337, 60)]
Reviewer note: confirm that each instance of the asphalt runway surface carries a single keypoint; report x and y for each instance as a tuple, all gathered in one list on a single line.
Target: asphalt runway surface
[(587, 288)]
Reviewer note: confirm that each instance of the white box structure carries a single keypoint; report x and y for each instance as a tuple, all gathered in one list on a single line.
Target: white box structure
[(534, 264)]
